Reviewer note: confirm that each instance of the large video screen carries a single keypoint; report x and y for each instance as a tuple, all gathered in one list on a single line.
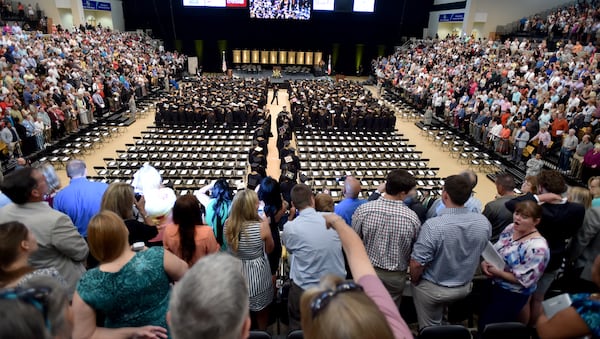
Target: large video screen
[(323, 5), (216, 3), (367, 6), (280, 9)]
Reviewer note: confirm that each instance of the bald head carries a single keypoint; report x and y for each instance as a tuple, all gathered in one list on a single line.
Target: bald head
[(351, 187)]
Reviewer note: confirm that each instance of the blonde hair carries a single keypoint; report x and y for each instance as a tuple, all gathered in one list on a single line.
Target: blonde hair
[(348, 315), (580, 195), (323, 203), (243, 213), (118, 198), (107, 236)]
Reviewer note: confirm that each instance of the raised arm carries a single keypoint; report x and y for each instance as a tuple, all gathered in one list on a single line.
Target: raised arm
[(358, 260)]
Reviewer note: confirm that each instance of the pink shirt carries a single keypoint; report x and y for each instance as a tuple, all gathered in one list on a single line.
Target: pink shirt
[(376, 291)]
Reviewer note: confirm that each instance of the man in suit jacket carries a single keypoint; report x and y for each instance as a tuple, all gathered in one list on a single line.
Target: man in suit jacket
[(585, 246), (60, 245)]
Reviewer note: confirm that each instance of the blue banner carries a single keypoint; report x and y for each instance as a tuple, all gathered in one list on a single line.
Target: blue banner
[(452, 17), (96, 5)]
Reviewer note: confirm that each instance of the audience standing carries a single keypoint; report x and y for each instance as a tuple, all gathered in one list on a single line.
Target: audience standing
[(446, 253), (59, 244), (389, 229), (315, 251)]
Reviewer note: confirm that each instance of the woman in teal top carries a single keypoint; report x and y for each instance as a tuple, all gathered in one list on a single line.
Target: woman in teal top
[(217, 206), (131, 289)]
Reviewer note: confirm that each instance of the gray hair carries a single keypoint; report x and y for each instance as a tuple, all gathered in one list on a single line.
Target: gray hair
[(52, 179), (58, 303), (75, 168), (211, 301)]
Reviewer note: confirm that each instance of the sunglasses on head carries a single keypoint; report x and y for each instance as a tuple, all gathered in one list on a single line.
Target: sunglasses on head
[(36, 297)]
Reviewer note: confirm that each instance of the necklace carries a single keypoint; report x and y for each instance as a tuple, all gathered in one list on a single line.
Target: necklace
[(521, 237)]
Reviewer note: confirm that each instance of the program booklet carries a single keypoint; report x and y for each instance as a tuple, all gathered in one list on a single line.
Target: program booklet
[(556, 304), (493, 257)]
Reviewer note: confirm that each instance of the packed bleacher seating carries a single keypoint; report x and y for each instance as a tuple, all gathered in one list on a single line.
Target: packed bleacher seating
[(56, 85), (402, 247)]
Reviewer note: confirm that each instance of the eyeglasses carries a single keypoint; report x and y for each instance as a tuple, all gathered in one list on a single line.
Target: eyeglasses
[(36, 297), (323, 299)]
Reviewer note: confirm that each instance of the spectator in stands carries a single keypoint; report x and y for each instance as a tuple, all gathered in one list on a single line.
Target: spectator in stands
[(390, 219), (495, 211), (315, 250), (556, 212), (351, 191), (81, 199), (578, 320), (16, 245), (119, 198), (521, 140), (544, 140), (9, 136), (446, 253), (534, 165), (584, 146), (211, 301), (187, 237), (59, 244), (473, 204), (217, 206), (590, 166), (569, 144), (275, 209), (334, 301), (526, 254), (131, 289), (249, 238)]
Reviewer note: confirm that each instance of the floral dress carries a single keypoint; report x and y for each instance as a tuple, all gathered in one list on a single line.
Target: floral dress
[(526, 259)]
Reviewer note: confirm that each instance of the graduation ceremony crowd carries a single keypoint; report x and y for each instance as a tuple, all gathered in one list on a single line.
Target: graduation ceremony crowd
[(516, 96), (136, 261)]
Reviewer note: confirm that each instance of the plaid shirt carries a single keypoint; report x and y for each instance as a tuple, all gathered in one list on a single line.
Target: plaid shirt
[(388, 229)]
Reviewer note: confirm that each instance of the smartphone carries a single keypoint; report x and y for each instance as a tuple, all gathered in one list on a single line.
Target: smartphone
[(138, 246)]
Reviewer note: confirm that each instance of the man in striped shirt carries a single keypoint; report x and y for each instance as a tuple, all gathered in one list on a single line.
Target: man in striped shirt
[(446, 253)]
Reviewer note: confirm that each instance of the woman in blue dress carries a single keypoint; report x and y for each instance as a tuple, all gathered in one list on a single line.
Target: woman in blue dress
[(130, 289)]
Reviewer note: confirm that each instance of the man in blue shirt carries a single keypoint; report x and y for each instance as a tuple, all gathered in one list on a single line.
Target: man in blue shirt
[(346, 207), (81, 199), (315, 250), (446, 254)]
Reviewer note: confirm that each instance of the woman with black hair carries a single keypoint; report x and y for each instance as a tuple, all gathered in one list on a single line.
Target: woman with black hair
[(217, 206), (274, 208), (187, 238)]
